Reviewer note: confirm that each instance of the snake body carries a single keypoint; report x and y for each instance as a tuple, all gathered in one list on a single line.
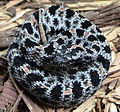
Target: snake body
[(72, 64)]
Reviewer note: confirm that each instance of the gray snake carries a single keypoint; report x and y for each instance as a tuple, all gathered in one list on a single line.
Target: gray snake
[(70, 67)]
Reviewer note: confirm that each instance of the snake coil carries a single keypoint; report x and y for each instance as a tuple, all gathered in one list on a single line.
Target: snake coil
[(62, 64)]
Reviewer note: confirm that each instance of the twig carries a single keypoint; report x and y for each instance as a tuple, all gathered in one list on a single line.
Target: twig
[(42, 32)]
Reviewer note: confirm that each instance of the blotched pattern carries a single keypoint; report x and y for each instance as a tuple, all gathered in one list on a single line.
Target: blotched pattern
[(70, 67)]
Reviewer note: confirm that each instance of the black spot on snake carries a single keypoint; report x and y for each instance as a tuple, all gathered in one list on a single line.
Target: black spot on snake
[(107, 49), (35, 77), (98, 29), (92, 38), (52, 31), (83, 65), (58, 31), (71, 71), (75, 22), (36, 35), (46, 74), (86, 24), (36, 15), (47, 19), (55, 22), (88, 58), (97, 48), (53, 9), (49, 49), (101, 38), (80, 32), (92, 31), (13, 45), (104, 61), (81, 16), (23, 50), (28, 27), (40, 90), (94, 77), (85, 44), (82, 77), (67, 23), (78, 41), (19, 61), (56, 92), (69, 13), (60, 79), (69, 43), (89, 51), (29, 43), (77, 90), (60, 41), (67, 33)]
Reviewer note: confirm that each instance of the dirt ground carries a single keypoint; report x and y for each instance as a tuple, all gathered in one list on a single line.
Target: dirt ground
[(104, 13)]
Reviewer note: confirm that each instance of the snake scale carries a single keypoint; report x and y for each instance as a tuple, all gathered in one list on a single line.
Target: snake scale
[(70, 67)]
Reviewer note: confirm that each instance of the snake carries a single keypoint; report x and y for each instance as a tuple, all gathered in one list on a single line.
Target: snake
[(59, 57)]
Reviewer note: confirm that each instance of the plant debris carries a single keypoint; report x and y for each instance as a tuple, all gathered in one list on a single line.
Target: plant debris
[(105, 14)]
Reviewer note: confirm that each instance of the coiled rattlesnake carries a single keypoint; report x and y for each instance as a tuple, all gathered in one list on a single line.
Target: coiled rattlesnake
[(69, 67)]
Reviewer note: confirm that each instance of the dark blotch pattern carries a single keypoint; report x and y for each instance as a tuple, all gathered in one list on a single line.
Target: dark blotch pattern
[(78, 41), (94, 78), (77, 90), (36, 35), (86, 24), (89, 51), (85, 44), (80, 32), (104, 61), (98, 29), (36, 15), (67, 33), (67, 23), (40, 90), (23, 50), (53, 9), (83, 65), (101, 38), (49, 49), (29, 43), (69, 13), (47, 19), (19, 61), (56, 92), (35, 77), (81, 16), (97, 48), (14, 45), (60, 41), (71, 71), (107, 49), (88, 58), (28, 27), (55, 22), (82, 76), (92, 38)]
